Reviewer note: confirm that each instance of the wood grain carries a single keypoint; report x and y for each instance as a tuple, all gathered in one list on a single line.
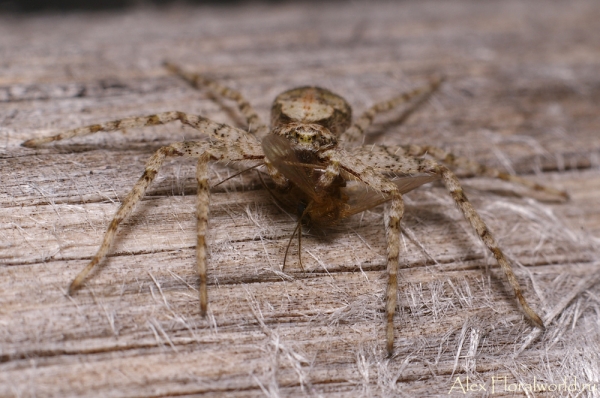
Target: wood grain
[(522, 93)]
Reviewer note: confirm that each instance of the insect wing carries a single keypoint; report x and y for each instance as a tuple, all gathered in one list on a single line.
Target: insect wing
[(408, 183), (281, 155), (362, 198)]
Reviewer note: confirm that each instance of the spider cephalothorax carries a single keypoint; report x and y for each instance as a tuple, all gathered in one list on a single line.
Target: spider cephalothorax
[(312, 175), (310, 138)]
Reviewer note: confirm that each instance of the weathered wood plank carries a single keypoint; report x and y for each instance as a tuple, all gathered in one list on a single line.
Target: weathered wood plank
[(521, 93)]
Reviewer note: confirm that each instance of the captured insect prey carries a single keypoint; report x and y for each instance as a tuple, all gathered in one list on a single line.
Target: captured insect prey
[(311, 152)]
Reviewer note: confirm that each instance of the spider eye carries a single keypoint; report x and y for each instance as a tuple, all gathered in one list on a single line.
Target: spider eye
[(305, 138)]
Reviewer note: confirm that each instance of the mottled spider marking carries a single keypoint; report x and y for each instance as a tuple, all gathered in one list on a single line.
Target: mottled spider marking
[(218, 131), (202, 213), (310, 170), (308, 105)]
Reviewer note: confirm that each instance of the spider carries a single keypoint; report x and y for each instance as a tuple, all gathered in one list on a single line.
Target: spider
[(308, 153)]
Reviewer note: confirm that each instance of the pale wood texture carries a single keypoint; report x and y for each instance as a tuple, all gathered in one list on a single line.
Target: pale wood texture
[(522, 93)]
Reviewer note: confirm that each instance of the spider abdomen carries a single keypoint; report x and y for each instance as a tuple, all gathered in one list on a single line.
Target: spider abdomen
[(312, 105)]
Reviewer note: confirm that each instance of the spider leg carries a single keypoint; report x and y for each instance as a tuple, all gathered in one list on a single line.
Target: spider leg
[(453, 185), (133, 197), (202, 211), (255, 124), (357, 131), (392, 231), (478, 169), (362, 171), (387, 158), (332, 171), (215, 130), (367, 168), (230, 151), (280, 181)]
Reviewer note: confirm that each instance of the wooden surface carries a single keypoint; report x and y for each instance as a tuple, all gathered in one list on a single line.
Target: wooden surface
[(522, 93)]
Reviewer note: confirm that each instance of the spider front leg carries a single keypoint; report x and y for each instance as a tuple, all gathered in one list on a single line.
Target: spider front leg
[(202, 212), (231, 151), (334, 159), (375, 179), (133, 197), (370, 168), (392, 231), (332, 171)]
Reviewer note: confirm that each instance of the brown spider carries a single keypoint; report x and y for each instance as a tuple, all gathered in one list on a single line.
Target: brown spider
[(311, 172)]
